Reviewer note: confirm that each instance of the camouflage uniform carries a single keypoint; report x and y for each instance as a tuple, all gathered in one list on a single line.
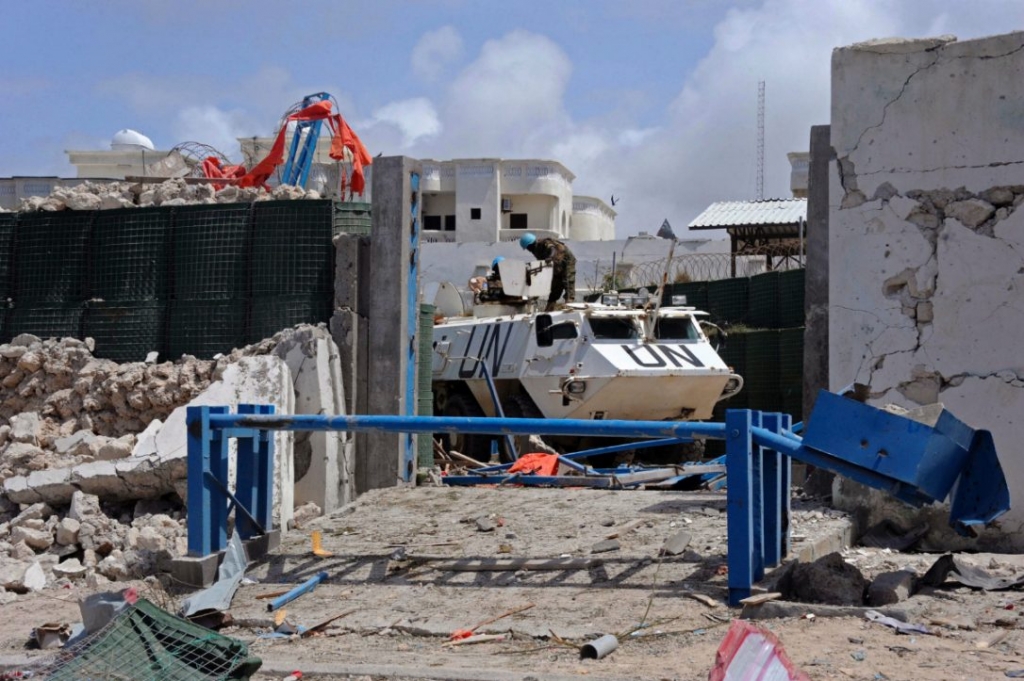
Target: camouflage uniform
[(563, 278)]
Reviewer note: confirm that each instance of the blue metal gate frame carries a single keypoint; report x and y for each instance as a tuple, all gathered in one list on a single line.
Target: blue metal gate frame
[(915, 462)]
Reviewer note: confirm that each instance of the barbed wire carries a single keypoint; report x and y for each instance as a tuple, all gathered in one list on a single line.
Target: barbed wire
[(700, 267)]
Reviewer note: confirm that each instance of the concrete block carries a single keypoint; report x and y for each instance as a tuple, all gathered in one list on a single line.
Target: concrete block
[(201, 572), (891, 587), (26, 427)]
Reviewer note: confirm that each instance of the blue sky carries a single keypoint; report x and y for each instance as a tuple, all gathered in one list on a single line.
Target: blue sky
[(652, 100)]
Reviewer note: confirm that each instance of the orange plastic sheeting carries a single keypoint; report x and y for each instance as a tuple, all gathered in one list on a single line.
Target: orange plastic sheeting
[(537, 463), (342, 137), (213, 169)]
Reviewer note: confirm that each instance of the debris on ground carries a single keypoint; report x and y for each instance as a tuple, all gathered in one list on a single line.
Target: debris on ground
[(749, 652), (954, 568), (127, 637), (829, 580)]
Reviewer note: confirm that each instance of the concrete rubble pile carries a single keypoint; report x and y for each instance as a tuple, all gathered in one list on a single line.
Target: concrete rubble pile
[(93, 453), (92, 195)]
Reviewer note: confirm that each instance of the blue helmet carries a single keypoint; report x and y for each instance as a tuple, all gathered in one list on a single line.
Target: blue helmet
[(494, 263), (527, 240)]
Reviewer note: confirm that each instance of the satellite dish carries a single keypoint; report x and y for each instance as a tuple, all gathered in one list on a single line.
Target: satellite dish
[(448, 300)]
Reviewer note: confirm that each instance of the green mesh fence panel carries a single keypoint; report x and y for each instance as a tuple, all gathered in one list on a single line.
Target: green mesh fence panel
[(764, 301), (130, 254), (270, 314), (50, 255), (145, 643), (46, 320), (762, 377), (8, 223), (791, 298), (791, 371), (5, 313), (205, 327), (728, 301), (292, 251), (696, 293), (352, 217), (125, 331), (734, 354), (210, 252)]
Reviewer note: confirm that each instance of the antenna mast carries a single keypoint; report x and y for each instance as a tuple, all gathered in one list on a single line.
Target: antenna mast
[(760, 140)]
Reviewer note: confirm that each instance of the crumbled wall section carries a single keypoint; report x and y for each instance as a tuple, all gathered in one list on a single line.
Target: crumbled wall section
[(99, 195), (927, 242)]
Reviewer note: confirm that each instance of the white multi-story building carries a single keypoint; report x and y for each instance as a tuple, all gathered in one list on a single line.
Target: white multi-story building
[(492, 200)]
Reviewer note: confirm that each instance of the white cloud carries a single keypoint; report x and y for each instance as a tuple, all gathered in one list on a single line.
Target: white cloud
[(435, 52), (509, 100), (415, 118), (210, 125)]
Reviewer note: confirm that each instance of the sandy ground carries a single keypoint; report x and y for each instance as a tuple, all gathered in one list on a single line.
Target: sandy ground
[(399, 609)]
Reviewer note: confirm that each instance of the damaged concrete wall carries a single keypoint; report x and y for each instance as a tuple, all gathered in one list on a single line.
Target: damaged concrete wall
[(927, 242)]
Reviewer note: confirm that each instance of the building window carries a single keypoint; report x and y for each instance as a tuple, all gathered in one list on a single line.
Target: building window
[(449, 223), (474, 213), (432, 222), (517, 221)]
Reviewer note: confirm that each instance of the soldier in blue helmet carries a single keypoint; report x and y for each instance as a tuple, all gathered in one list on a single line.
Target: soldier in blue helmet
[(563, 263), (491, 289)]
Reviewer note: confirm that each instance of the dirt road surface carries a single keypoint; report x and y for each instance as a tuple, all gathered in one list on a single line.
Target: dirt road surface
[(405, 573)]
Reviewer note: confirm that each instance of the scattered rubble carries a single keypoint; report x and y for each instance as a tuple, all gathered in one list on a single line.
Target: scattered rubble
[(92, 452), (93, 195)]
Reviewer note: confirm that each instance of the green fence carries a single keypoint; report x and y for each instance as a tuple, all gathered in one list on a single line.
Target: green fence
[(352, 217), (130, 254), (8, 221), (125, 331), (50, 257), (197, 280)]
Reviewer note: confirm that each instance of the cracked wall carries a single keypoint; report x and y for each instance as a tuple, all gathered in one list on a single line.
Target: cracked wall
[(926, 239)]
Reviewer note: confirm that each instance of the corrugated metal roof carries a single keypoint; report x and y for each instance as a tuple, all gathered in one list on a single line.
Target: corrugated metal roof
[(741, 213)]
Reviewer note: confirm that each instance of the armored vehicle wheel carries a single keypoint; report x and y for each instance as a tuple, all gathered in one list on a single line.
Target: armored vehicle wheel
[(475, 446)]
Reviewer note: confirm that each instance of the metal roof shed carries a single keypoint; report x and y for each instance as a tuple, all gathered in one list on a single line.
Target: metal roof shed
[(773, 228)]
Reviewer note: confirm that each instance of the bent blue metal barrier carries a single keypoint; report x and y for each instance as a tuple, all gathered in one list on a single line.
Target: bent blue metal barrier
[(914, 462)]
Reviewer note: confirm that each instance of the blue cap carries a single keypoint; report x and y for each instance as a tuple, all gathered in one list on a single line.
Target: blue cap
[(497, 260), (527, 240)]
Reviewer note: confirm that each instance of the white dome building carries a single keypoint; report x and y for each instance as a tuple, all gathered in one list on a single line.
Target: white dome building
[(130, 152), (128, 140)]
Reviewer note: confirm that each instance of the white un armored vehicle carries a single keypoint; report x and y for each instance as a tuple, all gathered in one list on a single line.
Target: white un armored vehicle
[(608, 360)]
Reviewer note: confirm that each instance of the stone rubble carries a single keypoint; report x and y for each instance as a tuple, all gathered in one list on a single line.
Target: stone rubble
[(62, 410), (94, 195)]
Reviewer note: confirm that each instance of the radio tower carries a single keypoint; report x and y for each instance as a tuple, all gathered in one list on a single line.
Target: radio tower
[(760, 140)]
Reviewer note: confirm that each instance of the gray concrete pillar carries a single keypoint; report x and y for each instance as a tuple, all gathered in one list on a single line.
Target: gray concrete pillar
[(816, 279), (391, 295)]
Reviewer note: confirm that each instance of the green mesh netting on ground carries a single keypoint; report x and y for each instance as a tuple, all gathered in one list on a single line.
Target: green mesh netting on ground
[(210, 253), (145, 643), (125, 331), (292, 251), (50, 256), (131, 253)]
